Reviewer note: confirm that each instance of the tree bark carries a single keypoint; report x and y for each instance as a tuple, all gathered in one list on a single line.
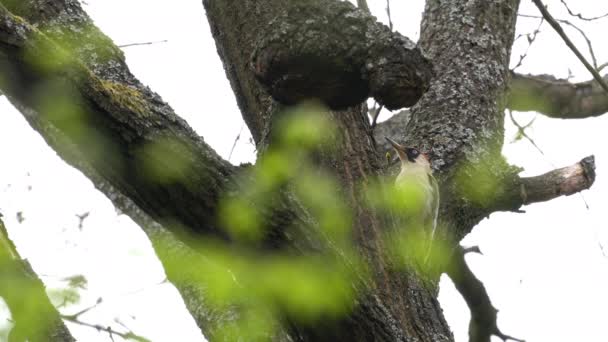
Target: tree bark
[(460, 119), (397, 306)]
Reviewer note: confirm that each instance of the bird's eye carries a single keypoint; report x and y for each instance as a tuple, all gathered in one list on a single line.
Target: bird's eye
[(412, 154)]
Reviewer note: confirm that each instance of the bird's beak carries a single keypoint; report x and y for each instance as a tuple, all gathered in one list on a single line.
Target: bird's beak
[(400, 149), (395, 145)]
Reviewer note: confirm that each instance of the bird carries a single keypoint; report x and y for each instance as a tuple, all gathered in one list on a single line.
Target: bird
[(416, 174)]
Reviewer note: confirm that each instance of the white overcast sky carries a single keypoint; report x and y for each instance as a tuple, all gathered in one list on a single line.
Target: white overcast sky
[(545, 270)]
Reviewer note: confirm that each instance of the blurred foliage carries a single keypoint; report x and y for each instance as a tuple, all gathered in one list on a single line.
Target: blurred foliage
[(61, 297), (165, 160), (266, 287), (47, 56), (262, 289), (477, 182), (30, 312), (409, 241)]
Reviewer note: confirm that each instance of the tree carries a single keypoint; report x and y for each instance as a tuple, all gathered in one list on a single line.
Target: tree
[(156, 169)]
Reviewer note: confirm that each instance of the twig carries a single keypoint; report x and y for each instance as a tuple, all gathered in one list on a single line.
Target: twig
[(531, 39), (81, 218), (580, 16), (235, 141), (83, 311), (472, 249), (566, 22), (109, 330), (376, 115), (556, 26), (144, 43), (388, 14), (521, 130)]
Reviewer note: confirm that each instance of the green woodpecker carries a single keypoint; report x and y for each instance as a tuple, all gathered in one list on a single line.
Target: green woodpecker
[(416, 173)]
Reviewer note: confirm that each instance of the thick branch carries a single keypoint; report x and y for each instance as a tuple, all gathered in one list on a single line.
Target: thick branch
[(560, 182), (72, 85), (333, 51), (483, 314), (557, 98), (113, 123), (34, 316)]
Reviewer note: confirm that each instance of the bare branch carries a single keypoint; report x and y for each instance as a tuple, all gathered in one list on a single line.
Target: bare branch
[(560, 182), (521, 131), (483, 323), (531, 38), (236, 140), (583, 34), (127, 336), (144, 43), (580, 16), (472, 249), (376, 114), (569, 43), (388, 14), (557, 98)]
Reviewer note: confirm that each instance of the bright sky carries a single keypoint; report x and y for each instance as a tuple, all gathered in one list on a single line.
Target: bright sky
[(545, 270)]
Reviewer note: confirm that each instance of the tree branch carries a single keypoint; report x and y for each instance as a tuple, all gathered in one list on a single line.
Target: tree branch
[(560, 182), (483, 322), (580, 16), (34, 316), (122, 136), (557, 98), (515, 191), (129, 335), (380, 63), (115, 124), (562, 34)]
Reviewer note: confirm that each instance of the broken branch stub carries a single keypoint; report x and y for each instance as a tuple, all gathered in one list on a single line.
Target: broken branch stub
[(340, 56)]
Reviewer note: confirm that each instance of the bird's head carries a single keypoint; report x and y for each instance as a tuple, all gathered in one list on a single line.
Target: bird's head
[(410, 155)]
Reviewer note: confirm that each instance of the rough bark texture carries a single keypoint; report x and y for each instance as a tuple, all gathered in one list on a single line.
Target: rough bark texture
[(125, 115), (120, 119), (396, 306), (332, 51), (34, 316), (561, 182), (460, 119)]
